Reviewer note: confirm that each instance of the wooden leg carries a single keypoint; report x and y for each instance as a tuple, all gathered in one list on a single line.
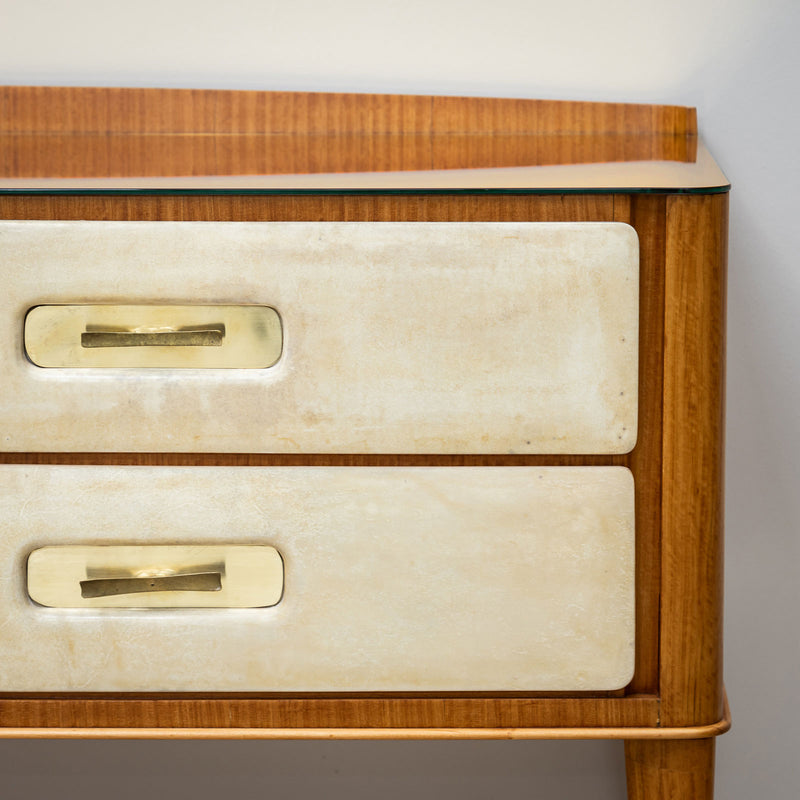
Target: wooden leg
[(670, 769)]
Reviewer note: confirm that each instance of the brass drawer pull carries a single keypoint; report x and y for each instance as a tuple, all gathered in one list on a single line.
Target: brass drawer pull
[(97, 336), (156, 576), (193, 582), (211, 337)]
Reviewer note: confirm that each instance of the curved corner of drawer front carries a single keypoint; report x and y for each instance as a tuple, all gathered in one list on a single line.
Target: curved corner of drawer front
[(393, 337), (392, 579)]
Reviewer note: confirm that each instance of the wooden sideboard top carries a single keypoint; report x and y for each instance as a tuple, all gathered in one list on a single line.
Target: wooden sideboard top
[(67, 139)]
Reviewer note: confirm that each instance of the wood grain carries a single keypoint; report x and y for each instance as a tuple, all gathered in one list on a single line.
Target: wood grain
[(53, 132), (670, 769), (629, 732), (647, 215), (174, 711), (346, 734), (563, 733), (694, 377), (47, 109), (353, 208)]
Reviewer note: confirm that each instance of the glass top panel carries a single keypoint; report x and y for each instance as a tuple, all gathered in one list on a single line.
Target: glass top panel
[(355, 162)]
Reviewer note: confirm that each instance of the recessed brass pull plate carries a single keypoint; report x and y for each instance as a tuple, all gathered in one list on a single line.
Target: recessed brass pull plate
[(153, 337), (155, 576)]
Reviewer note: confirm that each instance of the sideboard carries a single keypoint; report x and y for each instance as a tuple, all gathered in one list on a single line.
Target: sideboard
[(359, 416)]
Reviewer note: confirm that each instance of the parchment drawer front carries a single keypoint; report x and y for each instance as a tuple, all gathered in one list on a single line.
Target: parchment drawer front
[(393, 579), (389, 337)]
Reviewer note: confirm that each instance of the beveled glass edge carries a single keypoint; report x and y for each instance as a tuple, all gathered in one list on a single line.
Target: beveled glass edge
[(80, 192)]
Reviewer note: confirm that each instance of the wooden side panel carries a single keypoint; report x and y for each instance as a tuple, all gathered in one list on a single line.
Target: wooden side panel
[(46, 109), (691, 591)]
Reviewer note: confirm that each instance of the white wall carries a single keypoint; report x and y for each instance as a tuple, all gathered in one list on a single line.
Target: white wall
[(738, 61)]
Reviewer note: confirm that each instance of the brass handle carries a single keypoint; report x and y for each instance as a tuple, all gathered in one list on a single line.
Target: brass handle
[(195, 582), (210, 337), (156, 576), (96, 336)]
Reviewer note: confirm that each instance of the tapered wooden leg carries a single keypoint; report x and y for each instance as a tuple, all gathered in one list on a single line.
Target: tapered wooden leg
[(670, 769)]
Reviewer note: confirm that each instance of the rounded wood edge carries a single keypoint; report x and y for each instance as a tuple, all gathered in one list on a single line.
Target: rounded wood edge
[(696, 732)]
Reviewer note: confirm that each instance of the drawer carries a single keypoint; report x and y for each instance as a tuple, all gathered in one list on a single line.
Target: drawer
[(393, 579), (392, 337)]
